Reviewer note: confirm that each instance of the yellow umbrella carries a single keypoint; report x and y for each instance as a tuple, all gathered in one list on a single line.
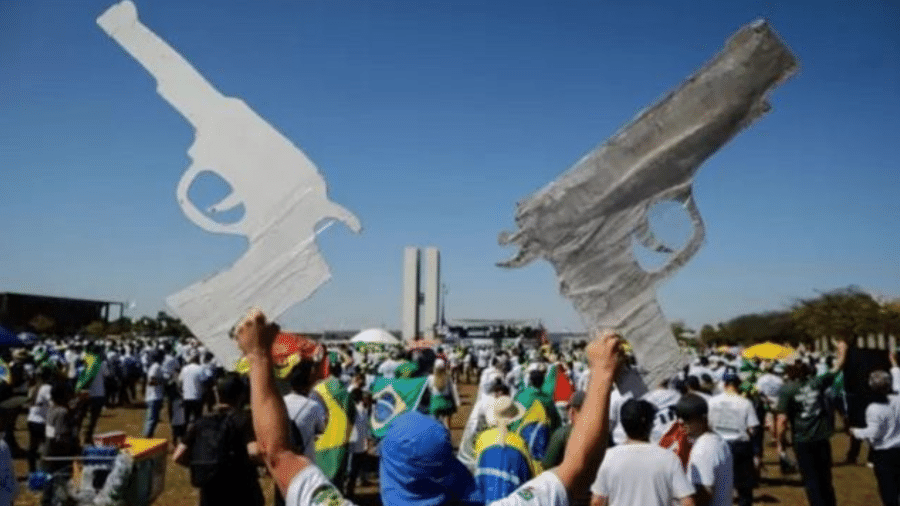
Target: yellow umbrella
[(768, 351)]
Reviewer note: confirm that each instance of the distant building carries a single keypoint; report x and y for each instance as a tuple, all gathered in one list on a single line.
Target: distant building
[(20, 312)]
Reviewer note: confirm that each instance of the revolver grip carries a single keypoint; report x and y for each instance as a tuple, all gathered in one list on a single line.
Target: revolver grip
[(196, 215)]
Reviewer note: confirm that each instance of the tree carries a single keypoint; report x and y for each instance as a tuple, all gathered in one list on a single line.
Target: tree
[(146, 326), (95, 328), (709, 335), (121, 326), (42, 324), (846, 313)]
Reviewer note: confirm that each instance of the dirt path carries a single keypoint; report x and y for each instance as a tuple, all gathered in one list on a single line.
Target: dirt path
[(855, 485)]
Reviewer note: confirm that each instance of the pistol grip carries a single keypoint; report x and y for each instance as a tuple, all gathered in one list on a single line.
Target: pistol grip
[(195, 214)]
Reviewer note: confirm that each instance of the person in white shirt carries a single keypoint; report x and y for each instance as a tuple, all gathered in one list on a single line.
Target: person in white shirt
[(308, 416), (96, 390), (417, 459), (191, 379), (443, 394), (733, 417), (73, 358), (388, 368), (663, 398), (640, 472), (883, 431), (359, 439), (155, 392), (710, 465), (39, 397)]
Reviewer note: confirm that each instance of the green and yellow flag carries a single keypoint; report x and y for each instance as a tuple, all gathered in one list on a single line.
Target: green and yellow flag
[(5, 372), (331, 447), (92, 363), (391, 397)]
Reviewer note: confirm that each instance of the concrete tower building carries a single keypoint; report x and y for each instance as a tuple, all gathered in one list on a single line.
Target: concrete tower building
[(419, 320)]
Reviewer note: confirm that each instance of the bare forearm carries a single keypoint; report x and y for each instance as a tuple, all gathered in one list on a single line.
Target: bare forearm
[(267, 408), (587, 443)]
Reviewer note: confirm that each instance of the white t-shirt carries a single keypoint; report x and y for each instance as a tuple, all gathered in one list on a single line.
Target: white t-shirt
[(191, 378), (731, 415), (311, 487), (170, 366), (641, 474), (664, 399), (770, 385), (38, 412), (711, 465), (72, 358), (155, 392), (615, 407), (388, 368), (359, 434), (882, 424), (310, 417)]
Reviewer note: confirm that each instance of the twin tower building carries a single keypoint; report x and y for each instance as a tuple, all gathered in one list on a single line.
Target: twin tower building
[(421, 305)]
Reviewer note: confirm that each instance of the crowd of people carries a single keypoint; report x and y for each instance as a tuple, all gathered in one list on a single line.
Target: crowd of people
[(547, 424)]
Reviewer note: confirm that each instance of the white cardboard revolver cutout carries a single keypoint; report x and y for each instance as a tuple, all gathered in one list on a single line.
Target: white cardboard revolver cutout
[(585, 222), (283, 195)]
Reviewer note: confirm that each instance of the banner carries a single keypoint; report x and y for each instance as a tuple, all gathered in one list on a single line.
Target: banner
[(392, 397)]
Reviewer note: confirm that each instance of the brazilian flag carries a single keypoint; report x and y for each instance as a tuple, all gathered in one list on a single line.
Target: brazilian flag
[(92, 364), (407, 369), (5, 374), (392, 397), (503, 465), (539, 421), (331, 447)]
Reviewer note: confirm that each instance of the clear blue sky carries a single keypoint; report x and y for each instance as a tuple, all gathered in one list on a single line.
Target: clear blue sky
[(429, 120)]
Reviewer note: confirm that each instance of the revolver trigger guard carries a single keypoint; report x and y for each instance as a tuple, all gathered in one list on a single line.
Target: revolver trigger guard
[(193, 213)]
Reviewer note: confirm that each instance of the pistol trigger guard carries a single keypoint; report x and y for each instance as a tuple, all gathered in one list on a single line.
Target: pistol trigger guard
[(684, 195), (195, 214), (644, 235)]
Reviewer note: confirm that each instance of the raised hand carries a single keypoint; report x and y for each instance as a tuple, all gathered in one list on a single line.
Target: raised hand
[(255, 335)]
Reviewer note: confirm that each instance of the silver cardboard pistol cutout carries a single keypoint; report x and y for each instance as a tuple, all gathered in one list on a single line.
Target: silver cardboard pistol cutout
[(585, 222)]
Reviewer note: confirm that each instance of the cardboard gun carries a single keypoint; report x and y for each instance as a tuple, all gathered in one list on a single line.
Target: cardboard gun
[(283, 195), (585, 222)]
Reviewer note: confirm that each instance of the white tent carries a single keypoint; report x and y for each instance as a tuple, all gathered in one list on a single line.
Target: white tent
[(375, 336)]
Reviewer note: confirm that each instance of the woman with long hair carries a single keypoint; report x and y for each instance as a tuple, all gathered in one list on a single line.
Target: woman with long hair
[(444, 397)]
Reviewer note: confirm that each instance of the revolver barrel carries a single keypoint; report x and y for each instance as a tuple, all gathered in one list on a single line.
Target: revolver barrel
[(177, 81)]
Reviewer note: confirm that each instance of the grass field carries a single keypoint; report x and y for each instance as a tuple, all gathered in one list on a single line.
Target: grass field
[(854, 485)]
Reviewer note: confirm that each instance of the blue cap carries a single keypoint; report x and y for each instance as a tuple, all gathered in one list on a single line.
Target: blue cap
[(731, 377), (418, 466)]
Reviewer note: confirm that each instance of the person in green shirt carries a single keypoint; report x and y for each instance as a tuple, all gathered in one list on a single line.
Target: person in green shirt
[(802, 403), (557, 445)]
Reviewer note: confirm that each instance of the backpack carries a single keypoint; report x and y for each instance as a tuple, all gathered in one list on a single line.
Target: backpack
[(213, 450)]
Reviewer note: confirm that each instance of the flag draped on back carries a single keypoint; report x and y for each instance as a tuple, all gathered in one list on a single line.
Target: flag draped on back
[(92, 363), (557, 384), (503, 465), (392, 397), (331, 447), (539, 420)]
